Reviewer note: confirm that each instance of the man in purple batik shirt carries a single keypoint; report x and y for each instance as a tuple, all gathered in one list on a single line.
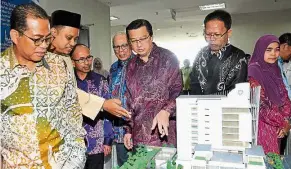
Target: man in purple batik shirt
[(100, 134), (153, 83)]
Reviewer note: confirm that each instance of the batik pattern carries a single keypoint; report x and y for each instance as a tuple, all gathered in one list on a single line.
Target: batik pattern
[(151, 87), (271, 118), (40, 106), (96, 136), (217, 72), (117, 88)]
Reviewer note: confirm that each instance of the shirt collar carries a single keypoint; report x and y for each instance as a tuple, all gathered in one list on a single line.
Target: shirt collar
[(122, 63), (89, 74), (280, 59), (14, 62), (220, 53), (44, 63)]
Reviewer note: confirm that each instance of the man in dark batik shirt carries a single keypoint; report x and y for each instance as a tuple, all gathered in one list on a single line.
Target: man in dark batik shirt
[(220, 65), (153, 83)]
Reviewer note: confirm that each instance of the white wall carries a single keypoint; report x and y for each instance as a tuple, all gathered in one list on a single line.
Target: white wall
[(247, 28), (93, 12)]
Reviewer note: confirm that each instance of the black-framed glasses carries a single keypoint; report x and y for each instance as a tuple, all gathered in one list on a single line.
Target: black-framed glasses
[(214, 35), (141, 40), (39, 41), (123, 46), (83, 60)]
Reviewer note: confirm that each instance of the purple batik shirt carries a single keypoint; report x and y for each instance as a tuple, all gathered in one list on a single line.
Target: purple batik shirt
[(99, 131), (151, 87)]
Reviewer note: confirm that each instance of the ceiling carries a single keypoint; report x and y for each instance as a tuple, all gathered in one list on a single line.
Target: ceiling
[(189, 18)]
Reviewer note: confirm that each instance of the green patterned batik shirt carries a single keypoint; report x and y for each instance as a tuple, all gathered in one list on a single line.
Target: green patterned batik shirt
[(41, 120)]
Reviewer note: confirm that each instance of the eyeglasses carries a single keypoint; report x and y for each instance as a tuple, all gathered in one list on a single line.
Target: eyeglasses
[(39, 41), (215, 36), (134, 42), (123, 46), (83, 60)]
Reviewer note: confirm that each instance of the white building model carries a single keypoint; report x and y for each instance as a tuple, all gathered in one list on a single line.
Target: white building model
[(218, 131)]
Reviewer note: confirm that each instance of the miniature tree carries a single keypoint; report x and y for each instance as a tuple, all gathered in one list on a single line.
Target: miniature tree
[(180, 166), (275, 160), (140, 158)]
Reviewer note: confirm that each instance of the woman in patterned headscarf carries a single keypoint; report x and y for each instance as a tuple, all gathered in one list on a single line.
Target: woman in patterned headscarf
[(275, 106), (98, 68)]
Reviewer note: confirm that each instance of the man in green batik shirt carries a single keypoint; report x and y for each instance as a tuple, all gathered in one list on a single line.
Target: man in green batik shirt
[(41, 120)]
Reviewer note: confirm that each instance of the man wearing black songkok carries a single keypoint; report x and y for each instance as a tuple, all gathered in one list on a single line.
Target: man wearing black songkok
[(65, 32)]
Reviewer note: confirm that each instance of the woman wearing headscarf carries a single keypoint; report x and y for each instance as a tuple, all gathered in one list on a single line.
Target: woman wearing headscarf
[(275, 106), (98, 68)]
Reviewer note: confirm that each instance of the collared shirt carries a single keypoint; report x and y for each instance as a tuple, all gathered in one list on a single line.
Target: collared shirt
[(285, 80), (41, 120), (117, 88), (152, 86), (99, 130), (287, 71), (218, 72)]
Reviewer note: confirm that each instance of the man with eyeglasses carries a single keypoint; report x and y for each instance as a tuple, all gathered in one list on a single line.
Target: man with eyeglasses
[(41, 120), (220, 65), (153, 81), (65, 32), (284, 60), (100, 134), (117, 88)]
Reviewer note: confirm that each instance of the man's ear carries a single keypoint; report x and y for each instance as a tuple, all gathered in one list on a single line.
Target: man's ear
[(14, 34), (54, 32), (73, 62), (229, 33)]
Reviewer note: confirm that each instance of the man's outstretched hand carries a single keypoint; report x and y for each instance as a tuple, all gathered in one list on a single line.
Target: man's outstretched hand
[(113, 106)]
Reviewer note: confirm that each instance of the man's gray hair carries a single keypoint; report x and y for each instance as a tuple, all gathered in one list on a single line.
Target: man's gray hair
[(117, 34)]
